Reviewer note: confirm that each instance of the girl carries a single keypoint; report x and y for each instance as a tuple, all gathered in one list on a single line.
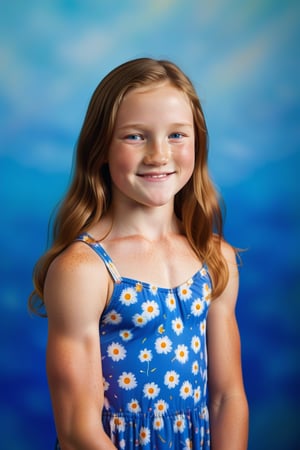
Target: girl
[(139, 286)]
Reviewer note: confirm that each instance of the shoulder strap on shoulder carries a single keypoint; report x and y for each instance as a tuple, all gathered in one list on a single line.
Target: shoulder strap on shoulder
[(97, 247)]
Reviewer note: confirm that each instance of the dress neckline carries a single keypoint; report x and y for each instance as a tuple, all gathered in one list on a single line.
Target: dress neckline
[(200, 273)]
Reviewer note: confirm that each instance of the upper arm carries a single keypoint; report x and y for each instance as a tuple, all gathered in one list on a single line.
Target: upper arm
[(75, 295), (223, 340)]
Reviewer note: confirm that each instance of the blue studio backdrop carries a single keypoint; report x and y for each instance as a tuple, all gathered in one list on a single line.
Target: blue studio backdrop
[(243, 58)]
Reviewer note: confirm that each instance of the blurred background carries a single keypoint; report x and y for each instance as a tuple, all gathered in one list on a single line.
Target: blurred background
[(243, 57)]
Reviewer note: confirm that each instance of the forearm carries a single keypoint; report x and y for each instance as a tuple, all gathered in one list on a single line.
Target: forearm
[(229, 423)]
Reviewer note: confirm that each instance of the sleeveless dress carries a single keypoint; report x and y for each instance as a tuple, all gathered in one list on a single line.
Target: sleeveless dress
[(154, 362)]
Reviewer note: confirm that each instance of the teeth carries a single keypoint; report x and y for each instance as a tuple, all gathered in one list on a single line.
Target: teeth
[(160, 175)]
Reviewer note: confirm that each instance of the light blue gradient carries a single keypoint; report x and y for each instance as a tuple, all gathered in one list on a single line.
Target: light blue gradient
[(243, 58)]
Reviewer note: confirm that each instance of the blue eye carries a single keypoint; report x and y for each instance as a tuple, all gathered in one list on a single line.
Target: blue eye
[(134, 137), (175, 136)]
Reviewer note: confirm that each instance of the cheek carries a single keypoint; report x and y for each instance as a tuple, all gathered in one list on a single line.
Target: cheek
[(121, 160), (187, 159)]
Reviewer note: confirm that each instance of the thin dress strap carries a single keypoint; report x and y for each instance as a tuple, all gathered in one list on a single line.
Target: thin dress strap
[(97, 247)]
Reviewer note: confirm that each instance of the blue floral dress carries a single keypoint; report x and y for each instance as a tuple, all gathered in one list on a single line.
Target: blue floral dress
[(154, 362)]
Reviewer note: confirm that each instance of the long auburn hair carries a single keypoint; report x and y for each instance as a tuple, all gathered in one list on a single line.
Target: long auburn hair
[(89, 195)]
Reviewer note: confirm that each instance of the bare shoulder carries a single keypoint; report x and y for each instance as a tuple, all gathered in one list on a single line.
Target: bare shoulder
[(228, 297), (76, 284)]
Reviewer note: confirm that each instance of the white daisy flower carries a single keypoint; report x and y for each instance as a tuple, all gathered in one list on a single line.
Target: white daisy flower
[(128, 296), (122, 443), (112, 317), (126, 335), (203, 272), (138, 287), (150, 309), (160, 407), (139, 320), (151, 390), (144, 435), (195, 368), (171, 379), (197, 307), (163, 345), (204, 414), (127, 381), (186, 390), (105, 384), (182, 353), (196, 344), (161, 329), (153, 289), (179, 423), (206, 291), (134, 406), (203, 327), (170, 301), (158, 423), (145, 355), (116, 351), (197, 394), (184, 292), (188, 444), (177, 326), (117, 423)]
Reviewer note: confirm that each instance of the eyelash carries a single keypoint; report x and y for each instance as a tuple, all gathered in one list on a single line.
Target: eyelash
[(134, 137), (179, 135)]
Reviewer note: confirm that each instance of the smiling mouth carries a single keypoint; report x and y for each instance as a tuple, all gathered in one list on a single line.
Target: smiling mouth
[(155, 176)]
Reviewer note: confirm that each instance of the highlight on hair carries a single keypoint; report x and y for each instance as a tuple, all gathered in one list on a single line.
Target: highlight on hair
[(89, 195)]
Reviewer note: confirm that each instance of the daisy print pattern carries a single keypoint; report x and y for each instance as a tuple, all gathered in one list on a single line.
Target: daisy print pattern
[(179, 423), (170, 301), (177, 326), (116, 351), (171, 379), (128, 296), (118, 423), (150, 310), (203, 327), (196, 344), (113, 318), (197, 307), (134, 406), (163, 345), (186, 390), (182, 353), (158, 423), (145, 355), (139, 320), (160, 407), (188, 444), (151, 390), (154, 365), (197, 394), (127, 381), (126, 335), (206, 291), (195, 368), (184, 292), (144, 436)]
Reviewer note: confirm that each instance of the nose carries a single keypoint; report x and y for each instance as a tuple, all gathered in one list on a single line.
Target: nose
[(157, 153)]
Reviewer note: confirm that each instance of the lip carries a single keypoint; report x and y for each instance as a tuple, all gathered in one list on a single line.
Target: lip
[(155, 176)]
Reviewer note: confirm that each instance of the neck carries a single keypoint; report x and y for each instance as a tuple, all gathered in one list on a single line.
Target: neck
[(152, 224)]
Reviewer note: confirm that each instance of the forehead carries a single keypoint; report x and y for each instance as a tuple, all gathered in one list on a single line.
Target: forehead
[(156, 88), (155, 99)]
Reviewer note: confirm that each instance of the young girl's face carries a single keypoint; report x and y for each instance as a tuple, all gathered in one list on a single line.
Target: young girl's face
[(151, 156)]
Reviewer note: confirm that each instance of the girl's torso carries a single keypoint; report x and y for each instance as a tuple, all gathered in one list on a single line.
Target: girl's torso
[(154, 361)]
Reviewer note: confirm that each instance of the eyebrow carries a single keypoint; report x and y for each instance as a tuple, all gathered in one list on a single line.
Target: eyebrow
[(144, 125)]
